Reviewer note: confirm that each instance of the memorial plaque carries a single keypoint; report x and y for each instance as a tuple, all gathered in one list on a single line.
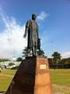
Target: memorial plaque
[(43, 66)]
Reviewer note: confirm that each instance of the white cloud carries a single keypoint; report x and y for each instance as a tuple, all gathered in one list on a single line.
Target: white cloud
[(42, 15), (11, 38), (65, 54)]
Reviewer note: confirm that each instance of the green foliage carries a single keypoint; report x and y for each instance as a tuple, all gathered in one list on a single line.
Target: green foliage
[(19, 59), (65, 60), (2, 60), (25, 52), (56, 57), (10, 64)]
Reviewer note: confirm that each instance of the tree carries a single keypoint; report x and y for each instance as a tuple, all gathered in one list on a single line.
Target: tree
[(11, 64), (3, 59), (19, 59), (56, 57), (25, 52), (65, 60), (41, 52)]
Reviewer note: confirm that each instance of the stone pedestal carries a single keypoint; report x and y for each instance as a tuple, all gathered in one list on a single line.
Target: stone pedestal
[(32, 77), (42, 77)]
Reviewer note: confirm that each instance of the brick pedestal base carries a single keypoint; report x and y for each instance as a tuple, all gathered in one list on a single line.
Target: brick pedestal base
[(42, 77), (32, 77)]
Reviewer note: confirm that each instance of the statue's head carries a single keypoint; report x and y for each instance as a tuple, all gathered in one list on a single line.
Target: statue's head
[(33, 17)]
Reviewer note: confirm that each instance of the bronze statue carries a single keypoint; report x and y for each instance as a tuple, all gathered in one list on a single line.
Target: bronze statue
[(31, 31)]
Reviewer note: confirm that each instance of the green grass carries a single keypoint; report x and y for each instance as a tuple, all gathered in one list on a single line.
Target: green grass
[(5, 79), (61, 76), (60, 80)]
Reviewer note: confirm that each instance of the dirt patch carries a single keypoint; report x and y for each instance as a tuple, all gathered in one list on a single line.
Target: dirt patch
[(60, 89)]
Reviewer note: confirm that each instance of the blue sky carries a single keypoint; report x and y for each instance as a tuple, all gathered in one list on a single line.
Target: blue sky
[(54, 24)]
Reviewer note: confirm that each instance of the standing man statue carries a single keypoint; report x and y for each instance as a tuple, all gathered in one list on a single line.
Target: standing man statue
[(31, 31)]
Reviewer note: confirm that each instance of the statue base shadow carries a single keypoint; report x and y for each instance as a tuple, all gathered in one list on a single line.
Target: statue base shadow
[(32, 77)]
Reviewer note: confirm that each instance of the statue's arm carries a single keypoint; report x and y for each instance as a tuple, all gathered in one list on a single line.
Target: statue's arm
[(26, 29)]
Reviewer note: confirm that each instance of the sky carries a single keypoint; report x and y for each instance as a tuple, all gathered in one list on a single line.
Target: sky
[(53, 18)]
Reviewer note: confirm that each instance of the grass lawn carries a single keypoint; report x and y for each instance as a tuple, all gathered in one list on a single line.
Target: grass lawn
[(60, 80), (61, 76), (5, 78)]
